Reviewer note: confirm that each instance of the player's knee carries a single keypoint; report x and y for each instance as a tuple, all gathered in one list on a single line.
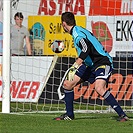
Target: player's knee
[(100, 86), (68, 85), (100, 90)]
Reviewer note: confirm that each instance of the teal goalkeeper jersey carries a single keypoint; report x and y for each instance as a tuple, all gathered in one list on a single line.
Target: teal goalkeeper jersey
[(89, 48)]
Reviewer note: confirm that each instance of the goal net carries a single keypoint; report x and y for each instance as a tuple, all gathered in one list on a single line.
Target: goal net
[(35, 79)]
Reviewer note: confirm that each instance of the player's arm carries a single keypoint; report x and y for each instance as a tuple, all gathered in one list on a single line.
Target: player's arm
[(85, 46), (28, 46), (85, 50)]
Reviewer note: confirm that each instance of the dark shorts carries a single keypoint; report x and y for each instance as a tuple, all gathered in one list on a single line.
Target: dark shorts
[(90, 75)]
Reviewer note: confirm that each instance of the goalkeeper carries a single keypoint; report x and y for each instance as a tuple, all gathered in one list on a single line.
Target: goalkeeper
[(93, 64)]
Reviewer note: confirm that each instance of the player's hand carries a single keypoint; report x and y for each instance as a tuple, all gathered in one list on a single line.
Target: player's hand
[(73, 69)]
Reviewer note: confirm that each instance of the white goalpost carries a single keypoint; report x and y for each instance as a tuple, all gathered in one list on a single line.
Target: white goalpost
[(31, 83), (6, 57)]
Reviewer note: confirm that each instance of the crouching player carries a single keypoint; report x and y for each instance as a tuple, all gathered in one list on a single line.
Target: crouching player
[(93, 64)]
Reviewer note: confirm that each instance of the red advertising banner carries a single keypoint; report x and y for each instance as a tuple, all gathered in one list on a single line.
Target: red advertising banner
[(111, 7)]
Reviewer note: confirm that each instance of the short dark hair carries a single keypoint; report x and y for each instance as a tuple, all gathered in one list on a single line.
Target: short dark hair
[(69, 18), (18, 14)]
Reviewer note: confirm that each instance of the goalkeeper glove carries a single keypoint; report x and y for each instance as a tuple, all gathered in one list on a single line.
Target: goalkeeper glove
[(73, 69)]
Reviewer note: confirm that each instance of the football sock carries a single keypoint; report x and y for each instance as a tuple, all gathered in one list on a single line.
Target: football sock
[(69, 98), (113, 103)]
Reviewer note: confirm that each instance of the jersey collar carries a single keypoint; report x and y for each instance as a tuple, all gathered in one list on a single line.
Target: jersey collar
[(72, 29)]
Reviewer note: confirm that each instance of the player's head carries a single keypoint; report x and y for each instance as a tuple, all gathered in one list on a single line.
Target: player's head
[(18, 17), (68, 21)]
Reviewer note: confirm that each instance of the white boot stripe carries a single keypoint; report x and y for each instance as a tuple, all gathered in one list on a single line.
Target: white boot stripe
[(67, 118)]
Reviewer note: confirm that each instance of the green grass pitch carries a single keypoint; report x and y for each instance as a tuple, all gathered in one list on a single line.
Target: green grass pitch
[(83, 123)]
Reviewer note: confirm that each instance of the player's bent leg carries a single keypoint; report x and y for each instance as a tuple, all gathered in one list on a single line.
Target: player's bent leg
[(69, 98), (100, 86), (69, 85)]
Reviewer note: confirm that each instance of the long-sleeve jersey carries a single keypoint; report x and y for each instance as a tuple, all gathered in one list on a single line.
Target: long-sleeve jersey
[(89, 48)]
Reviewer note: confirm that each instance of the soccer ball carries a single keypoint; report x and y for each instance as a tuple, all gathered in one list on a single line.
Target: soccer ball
[(57, 46)]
